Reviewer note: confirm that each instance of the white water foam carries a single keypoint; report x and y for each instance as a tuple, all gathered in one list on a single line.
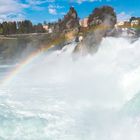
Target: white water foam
[(93, 98)]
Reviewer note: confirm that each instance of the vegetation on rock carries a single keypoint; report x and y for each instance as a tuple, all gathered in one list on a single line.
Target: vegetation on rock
[(68, 23), (103, 15)]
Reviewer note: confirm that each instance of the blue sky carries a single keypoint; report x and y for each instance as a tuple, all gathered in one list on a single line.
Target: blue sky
[(51, 10)]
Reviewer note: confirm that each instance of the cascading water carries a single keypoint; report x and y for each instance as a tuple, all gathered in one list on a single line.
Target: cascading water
[(93, 98)]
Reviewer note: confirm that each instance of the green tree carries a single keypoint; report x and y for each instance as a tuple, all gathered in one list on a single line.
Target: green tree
[(101, 15), (5, 28), (45, 23), (1, 29), (39, 28)]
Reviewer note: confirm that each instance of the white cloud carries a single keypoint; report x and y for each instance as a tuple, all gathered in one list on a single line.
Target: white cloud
[(11, 9), (123, 16), (7, 6), (38, 2), (14, 9), (55, 6), (11, 17), (53, 9), (81, 1)]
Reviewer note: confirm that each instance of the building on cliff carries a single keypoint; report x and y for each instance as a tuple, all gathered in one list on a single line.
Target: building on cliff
[(48, 29), (135, 22), (123, 24), (84, 22), (132, 23)]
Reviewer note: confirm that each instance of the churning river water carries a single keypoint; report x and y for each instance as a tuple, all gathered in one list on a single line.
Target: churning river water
[(92, 98)]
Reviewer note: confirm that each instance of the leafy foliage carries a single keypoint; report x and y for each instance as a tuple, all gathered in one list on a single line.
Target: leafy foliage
[(102, 15), (20, 27)]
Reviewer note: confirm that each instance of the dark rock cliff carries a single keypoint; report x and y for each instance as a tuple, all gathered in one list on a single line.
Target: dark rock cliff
[(68, 23)]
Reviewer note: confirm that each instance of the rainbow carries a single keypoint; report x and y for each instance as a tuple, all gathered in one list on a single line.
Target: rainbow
[(13, 73)]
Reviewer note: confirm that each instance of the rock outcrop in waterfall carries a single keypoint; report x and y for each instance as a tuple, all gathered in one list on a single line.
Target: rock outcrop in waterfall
[(70, 22), (100, 23), (103, 15)]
